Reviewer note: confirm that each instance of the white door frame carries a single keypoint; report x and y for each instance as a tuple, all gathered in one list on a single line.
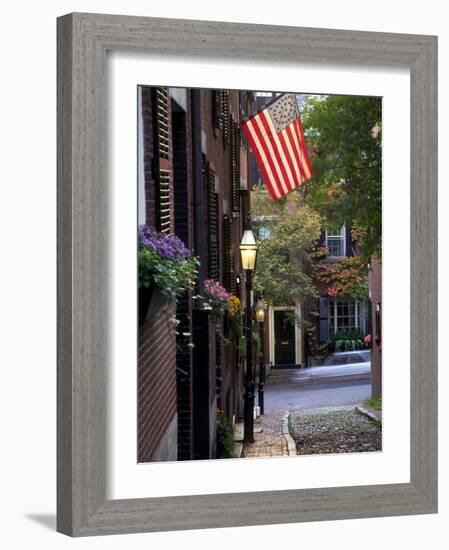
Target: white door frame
[(298, 346)]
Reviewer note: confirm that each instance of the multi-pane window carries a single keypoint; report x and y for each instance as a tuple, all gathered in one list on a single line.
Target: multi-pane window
[(345, 314), (336, 242), (265, 233)]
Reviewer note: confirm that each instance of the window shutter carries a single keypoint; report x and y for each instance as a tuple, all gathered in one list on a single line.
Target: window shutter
[(378, 319), (324, 318), (349, 242), (225, 115), (160, 111), (162, 121), (228, 271), (216, 110), (235, 167), (214, 267), (164, 201), (323, 238)]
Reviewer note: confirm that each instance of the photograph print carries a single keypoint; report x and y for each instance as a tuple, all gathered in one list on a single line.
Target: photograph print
[(259, 245)]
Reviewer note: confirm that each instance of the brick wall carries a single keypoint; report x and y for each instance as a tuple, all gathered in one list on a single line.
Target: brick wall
[(218, 154), (157, 345), (156, 382), (168, 388)]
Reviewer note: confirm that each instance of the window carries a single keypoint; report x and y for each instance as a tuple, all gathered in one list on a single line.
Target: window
[(264, 233), (264, 94), (345, 314), (336, 242)]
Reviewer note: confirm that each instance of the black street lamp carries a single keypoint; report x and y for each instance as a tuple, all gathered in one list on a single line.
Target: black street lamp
[(248, 253), (260, 316)]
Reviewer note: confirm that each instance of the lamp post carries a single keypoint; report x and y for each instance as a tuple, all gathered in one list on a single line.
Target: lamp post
[(260, 316), (248, 253)]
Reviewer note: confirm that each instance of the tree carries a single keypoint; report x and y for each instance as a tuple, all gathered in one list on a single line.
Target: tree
[(283, 264), (344, 136)]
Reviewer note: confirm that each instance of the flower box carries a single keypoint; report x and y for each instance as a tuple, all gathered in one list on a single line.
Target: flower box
[(151, 300)]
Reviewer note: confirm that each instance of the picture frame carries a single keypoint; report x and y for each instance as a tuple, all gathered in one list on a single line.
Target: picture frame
[(83, 40)]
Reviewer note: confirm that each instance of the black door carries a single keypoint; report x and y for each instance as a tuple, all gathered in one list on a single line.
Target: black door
[(284, 338)]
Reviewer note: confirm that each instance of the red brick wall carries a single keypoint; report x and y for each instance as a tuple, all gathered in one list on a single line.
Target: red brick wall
[(219, 155), (156, 382), (157, 349), (164, 391)]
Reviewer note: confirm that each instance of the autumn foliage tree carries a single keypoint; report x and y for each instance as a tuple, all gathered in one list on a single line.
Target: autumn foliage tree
[(284, 261), (345, 140), (347, 277)]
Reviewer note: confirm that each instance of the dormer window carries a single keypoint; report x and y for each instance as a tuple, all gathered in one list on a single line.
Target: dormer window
[(336, 242)]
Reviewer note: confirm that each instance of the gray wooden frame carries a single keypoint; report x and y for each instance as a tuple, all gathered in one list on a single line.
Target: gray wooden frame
[(83, 40)]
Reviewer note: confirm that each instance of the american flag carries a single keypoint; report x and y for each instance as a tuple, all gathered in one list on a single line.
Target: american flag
[(277, 140)]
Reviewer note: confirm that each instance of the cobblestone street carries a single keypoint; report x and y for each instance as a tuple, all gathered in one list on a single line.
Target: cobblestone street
[(317, 431), (334, 430)]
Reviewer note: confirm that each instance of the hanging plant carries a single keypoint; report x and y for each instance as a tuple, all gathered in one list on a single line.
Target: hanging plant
[(235, 323), (215, 298), (166, 265)]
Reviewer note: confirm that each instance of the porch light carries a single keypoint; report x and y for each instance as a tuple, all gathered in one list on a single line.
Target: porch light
[(260, 310), (248, 250)]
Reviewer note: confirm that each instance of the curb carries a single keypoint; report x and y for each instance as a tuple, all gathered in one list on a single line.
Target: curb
[(239, 450), (291, 445), (371, 415)]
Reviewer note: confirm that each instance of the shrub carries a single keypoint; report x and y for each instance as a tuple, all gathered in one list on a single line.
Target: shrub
[(225, 437)]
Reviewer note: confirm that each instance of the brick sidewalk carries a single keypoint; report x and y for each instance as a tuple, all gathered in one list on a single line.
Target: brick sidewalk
[(270, 439)]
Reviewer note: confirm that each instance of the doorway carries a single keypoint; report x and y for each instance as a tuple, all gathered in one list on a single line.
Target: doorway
[(284, 338)]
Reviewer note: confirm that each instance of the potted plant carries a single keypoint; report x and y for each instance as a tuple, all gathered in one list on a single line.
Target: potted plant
[(166, 269)]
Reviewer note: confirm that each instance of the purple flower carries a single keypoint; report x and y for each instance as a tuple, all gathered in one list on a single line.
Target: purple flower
[(167, 246)]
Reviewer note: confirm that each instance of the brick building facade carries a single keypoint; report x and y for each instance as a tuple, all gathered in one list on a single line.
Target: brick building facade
[(192, 170)]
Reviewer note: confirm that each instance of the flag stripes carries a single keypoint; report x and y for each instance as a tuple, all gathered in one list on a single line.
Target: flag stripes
[(276, 137), (262, 161)]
